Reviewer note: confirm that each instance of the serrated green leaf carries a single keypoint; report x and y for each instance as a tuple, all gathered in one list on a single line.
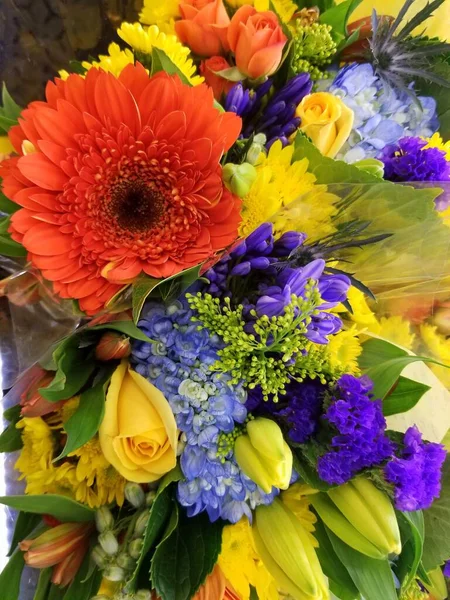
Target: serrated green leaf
[(436, 548), (11, 109), (404, 396), (86, 420), (171, 569), (86, 582), (43, 585), (11, 438), (62, 508), (126, 327), (11, 575), (161, 62), (373, 578), (26, 523)]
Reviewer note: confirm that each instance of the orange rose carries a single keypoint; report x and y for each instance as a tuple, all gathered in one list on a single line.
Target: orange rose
[(257, 40), (204, 28), (218, 84)]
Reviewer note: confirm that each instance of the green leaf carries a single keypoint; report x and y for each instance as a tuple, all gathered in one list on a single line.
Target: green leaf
[(126, 327), (7, 205), (231, 74), (372, 577), (6, 123), (11, 438), (161, 62), (142, 289), (436, 548), (56, 593), (86, 420), (409, 560), (11, 575), (73, 371), (11, 109), (404, 396), (43, 584), (86, 582), (331, 564), (62, 508), (441, 95), (9, 247), (338, 16), (307, 470), (26, 523)]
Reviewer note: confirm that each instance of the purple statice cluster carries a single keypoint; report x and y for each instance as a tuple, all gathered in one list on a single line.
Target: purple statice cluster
[(409, 160), (262, 275), (416, 472), (205, 406), (275, 117), (359, 440), (381, 116), (299, 409)]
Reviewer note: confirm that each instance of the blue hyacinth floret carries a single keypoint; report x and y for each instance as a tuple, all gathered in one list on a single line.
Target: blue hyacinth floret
[(205, 406)]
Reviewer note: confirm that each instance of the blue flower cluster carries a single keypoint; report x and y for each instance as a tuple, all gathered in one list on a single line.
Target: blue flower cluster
[(416, 473), (205, 406), (360, 442), (381, 117), (409, 160), (260, 275), (276, 117)]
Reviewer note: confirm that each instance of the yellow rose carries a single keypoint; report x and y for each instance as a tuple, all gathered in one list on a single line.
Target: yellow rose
[(138, 435), (326, 120)]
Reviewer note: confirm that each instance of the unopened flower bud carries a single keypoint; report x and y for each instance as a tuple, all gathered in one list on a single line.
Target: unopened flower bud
[(141, 523), (371, 165), (113, 346), (125, 561), (114, 573), (239, 178), (258, 146), (135, 548), (109, 543), (150, 498), (100, 557), (104, 519), (134, 494), (143, 595)]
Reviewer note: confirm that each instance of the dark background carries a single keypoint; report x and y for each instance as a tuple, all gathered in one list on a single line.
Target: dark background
[(38, 37)]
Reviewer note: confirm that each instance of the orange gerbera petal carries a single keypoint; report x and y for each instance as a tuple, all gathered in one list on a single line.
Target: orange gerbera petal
[(125, 177)]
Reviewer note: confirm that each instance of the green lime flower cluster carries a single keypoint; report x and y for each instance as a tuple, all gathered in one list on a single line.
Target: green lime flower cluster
[(277, 350), (313, 48)]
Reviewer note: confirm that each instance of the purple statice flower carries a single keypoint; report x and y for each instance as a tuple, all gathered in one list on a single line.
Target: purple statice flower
[(416, 472), (275, 118), (358, 432), (409, 160), (447, 569), (205, 405)]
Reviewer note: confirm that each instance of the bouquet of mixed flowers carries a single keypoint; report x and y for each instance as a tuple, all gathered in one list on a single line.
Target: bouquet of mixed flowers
[(238, 220)]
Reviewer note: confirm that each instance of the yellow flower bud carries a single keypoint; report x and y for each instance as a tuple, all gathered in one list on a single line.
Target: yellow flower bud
[(287, 552), (264, 456), (362, 516), (239, 178)]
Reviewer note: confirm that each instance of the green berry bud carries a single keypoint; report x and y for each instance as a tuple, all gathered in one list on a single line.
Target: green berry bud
[(150, 498), (134, 494), (135, 548), (100, 557), (143, 595), (239, 178), (104, 519), (109, 543), (141, 523), (114, 573), (125, 561)]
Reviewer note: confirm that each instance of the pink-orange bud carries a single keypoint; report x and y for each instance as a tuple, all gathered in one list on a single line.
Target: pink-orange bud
[(113, 346), (31, 401)]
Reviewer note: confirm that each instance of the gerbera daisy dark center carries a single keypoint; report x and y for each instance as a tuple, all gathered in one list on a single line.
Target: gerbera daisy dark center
[(136, 206)]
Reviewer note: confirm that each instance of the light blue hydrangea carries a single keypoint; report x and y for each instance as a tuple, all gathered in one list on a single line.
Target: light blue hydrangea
[(381, 117), (205, 406)]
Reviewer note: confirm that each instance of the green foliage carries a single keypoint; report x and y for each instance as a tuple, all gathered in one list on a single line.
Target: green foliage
[(6, 205), (9, 112), (262, 360), (43, 585), (161, 62), (9, 247), (126, 327), (11, 575), (437, 526), (26, 523), (62, 508), (441, 95), (413, 534), (86, 582), (405, 395), (11, 438), (337, 17)]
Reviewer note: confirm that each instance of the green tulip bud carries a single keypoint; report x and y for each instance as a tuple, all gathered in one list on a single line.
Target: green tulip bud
[(239, 178), (114, 573), (141, 523), (371, 165), (135, 548), (134, 494), (104, 519), (108, 542)]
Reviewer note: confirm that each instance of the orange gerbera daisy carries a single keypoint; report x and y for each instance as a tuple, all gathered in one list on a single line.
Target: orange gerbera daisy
[(119, 176)]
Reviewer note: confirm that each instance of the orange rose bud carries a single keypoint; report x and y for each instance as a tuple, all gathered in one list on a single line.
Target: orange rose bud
[(257, 40), (113, 346), (203, 27), (63, 547), (31, 401), (218, 84)]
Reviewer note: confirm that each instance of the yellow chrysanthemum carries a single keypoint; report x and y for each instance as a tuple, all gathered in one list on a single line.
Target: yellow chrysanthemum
[(241, 564), (161, 13), (278, 183), (436, 141), (296, 498), (285, 9), (36, 454), (239, 3), (143, 40), (362, 316), (5, 147), (343, 351), (114, 62), (439, 347), (397, 330)]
